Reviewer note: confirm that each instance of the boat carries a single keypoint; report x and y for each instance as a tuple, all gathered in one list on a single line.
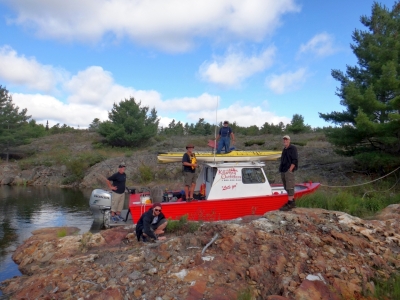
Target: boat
[(224, 191), (233, 156)]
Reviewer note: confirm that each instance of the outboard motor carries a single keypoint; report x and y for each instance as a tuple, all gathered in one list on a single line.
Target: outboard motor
[(100, 206)]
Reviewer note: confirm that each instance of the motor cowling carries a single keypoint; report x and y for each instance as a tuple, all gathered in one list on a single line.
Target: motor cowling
[(100, 197)]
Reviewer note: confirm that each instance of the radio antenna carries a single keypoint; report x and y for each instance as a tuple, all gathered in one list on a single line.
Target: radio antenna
[(215, 130)]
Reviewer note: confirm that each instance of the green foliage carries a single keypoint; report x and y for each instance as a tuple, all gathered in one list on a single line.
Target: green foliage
[(245, 294), (85, 242), (297, 125), (14, 126), (94, 126), (129, 125), (145, 174), (254, 142), (352, 201), (272, 129), (182, 225), (387, 288), (61, 233), (377, 162), (299, 143), (79, 164), (57, 129), (370, 92)]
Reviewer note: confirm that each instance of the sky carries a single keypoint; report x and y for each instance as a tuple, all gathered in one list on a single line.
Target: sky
[(248, 62)]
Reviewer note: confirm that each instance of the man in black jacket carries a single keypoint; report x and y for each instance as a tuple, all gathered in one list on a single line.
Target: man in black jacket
[(151, 224), (116, 183), (289, 163)]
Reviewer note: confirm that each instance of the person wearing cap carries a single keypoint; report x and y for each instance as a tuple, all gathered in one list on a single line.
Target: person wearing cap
[(189, 171), (224, 138), (151, 224), (116, 183), (289, 163)]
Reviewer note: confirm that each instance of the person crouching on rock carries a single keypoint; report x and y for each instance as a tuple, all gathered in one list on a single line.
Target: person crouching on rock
[(151, 224)]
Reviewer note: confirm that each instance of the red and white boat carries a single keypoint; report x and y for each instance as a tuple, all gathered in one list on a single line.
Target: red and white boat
[(225, 191)]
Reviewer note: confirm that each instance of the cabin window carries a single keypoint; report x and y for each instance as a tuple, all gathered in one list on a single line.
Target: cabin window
[(210, 174), (252, 175)]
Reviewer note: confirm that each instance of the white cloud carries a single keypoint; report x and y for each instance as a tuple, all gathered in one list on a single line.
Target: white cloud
[(320, 45), (243, 115), (288, 81), (44, 107), (91, 93), (167, 24), (27, 71), (232, 69)]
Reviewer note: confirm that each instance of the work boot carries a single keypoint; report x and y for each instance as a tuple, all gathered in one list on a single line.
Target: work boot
[(288, 206)]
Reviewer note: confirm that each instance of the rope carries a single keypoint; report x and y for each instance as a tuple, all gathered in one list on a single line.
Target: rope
[(346, 186)]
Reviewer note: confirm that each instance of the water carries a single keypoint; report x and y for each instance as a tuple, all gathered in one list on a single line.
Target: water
[(24, 209)]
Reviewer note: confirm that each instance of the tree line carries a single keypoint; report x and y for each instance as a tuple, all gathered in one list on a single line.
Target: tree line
[(368, 128)]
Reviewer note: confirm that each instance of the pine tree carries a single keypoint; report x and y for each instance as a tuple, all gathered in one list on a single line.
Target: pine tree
[(369, 127), (12, 123), (129, 125)]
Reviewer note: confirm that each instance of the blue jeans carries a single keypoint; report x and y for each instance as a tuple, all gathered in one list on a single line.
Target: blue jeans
[(224, 142)]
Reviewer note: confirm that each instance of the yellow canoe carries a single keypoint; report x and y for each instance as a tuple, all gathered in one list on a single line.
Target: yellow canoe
[(233, 156)]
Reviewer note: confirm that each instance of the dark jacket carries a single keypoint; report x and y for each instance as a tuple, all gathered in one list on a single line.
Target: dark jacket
[(144, 224), (288, 157)]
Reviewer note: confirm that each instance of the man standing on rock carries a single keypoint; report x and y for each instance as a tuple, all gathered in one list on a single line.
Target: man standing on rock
[(116, 183), (289, 163), (151, 224)]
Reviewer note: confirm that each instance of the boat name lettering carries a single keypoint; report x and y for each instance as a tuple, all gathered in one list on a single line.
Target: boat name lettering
[(231, 178), (228, 187), (231, 171)]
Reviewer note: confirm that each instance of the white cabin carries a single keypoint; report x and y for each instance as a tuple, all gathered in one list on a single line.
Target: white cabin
[(226, 180)]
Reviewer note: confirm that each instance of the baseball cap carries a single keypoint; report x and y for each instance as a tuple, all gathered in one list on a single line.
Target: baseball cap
[(286, 137)]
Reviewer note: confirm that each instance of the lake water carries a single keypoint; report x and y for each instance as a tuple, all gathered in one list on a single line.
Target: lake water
[(24, 209)]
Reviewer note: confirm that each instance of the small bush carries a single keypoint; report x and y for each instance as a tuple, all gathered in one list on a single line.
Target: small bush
[(70, 179), (254, 142), (85, 242), (245, 294), (145, 174), (299, 143), (62, 232), (182, 225), (388, 289), (351, 201), (377, 162)]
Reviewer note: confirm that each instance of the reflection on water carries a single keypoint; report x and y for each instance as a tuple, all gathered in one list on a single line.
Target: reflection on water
[(24, 209)]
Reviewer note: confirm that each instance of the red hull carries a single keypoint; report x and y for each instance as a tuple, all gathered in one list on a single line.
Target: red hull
[(215, 210)]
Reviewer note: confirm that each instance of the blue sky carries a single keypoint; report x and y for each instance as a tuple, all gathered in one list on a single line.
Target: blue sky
[(252, 61)]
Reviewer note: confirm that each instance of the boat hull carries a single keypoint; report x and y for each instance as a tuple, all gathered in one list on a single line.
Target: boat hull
[(224, 209), (234, 156)]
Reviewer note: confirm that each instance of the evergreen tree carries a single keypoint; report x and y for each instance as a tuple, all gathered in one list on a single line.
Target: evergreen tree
[(129, 124), (13, 123), (297, 125), (369, 127), (94, 126)]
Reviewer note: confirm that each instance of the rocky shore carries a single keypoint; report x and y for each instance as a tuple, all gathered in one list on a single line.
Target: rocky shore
[(302, 254)]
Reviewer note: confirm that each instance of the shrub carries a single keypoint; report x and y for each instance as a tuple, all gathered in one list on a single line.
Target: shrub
[(245, 294), (182, 225), (62, 232), (254, 142), (388, 288), (145, 174)]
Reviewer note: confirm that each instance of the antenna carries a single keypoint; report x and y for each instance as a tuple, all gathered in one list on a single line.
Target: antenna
[(215, 130)]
